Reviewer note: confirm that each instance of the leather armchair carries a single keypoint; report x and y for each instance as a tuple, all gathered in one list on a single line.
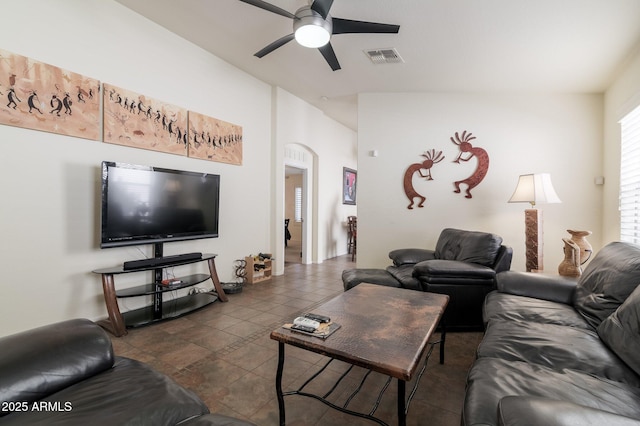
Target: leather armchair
[(463, 265)]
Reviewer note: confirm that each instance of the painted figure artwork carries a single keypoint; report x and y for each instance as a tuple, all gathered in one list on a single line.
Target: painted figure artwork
[(464, 144), (214, 140), (431, 157), (43, 97), (138, 121), (349, 186)]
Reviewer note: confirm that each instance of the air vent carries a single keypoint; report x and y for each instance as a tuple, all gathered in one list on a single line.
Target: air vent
[(384, 56)]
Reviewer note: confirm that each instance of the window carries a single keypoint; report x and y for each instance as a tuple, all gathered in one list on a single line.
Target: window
[(630, 178), (298, 205)]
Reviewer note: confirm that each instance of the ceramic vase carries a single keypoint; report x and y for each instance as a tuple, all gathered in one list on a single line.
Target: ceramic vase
[(580, 238), (570, 266)]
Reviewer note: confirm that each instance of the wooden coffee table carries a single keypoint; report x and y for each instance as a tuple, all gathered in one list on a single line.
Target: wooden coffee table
[(383, 329)]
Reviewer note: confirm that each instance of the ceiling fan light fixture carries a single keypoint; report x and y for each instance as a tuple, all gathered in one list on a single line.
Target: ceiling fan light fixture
[(313, 28), (310, 29), (312, 36)]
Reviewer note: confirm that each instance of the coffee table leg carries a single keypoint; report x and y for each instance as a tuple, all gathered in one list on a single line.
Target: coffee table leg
[(279, 382), (443, 337), (402, 409)]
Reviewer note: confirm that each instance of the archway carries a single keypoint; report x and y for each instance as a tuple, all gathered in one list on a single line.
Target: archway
[(297, 157)]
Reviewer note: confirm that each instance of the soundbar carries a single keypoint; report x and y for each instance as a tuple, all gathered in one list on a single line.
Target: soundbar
[(160, 261)]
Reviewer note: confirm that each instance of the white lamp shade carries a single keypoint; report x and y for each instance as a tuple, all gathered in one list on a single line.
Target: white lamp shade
[(535, 189)]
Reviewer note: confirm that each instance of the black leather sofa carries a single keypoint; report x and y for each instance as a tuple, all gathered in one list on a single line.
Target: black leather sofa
[(558, 351), (463, 265), (66, 374)]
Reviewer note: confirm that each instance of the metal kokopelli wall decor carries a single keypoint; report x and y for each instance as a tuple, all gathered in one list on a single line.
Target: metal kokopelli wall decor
[(466, 153), (431, 157), (464, 144)]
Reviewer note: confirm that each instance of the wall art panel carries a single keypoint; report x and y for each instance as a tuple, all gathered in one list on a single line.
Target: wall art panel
[(138, 121), (44, 97), (214, 140)]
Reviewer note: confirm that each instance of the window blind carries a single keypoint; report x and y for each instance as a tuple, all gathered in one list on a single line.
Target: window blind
[(630, 178), (298, 204)]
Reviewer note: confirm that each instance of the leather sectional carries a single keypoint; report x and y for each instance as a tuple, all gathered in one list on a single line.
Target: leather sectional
[(66, 374), (558, 351)]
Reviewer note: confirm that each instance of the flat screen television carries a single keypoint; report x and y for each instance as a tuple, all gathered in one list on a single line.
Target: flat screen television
[(150, 205)]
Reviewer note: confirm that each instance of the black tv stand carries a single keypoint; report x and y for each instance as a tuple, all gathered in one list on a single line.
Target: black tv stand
[(118, 322)]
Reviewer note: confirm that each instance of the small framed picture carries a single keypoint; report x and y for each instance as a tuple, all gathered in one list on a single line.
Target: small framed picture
[(348, 186)]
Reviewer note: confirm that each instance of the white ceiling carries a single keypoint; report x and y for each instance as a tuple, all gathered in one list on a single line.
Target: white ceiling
[(447, 45)]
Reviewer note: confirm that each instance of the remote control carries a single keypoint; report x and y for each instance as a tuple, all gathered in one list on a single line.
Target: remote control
[(307, 322), (317, 317), (304, 328)]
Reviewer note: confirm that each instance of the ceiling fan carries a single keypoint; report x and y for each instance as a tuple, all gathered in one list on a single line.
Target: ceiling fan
[(313, 27)]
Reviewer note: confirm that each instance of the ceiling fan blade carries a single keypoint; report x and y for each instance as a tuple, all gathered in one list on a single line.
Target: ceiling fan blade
[(322, 7), (347, 26), (330, 56), (273, 46), (269, 7)]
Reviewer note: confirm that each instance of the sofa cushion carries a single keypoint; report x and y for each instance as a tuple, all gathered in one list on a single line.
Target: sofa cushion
[(39, 362), (491, 379), (468, 246), (503, 306), (353, 277), (524, 411), (404, 274), (621, 331), (556, 347), (130, 393), (454, 269), (607, 281)]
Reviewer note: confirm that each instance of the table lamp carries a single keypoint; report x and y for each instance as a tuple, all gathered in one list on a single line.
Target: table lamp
[(535, 189)]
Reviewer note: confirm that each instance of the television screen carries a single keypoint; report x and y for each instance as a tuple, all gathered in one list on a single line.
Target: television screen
[(145, 205)]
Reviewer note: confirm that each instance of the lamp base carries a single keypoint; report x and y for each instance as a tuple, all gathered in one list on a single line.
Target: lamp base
[(533, 239)]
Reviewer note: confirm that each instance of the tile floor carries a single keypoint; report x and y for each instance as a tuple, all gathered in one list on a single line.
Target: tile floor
[(223, 353), (293, 252)]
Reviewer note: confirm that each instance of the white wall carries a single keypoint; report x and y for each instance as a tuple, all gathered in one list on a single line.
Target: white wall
[(523, 133), (622, 97), (50, 183)]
